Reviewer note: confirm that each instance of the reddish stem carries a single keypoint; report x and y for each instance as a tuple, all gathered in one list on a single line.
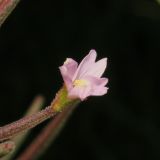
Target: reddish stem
[(6, 7), (4, 4), (48, 134), (10, 130)]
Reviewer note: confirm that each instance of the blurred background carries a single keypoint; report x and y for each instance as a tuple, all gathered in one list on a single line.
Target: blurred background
[(39, 35)]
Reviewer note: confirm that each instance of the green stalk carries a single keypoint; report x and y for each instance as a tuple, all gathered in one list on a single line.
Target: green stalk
[(6, 147)]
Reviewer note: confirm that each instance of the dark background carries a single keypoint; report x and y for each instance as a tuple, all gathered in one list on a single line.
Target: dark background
[(39, 35)]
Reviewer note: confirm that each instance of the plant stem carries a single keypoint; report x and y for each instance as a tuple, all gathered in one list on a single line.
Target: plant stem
[(6, 7), (47, 136), (6, 147), (35, 107), (60, 102), (10, 130)]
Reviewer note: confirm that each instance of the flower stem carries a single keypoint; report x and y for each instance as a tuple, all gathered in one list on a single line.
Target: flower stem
[(11, 130), (35, 107), (6, 147), (6, 7), (60, 102), (47, 136)]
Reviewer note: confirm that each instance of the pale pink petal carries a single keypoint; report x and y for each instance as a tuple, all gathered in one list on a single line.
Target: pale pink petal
[(97, 85), (97, 81), (80, 92), (66, 78), (85, 80), (99, 91), (87, 62), (97, 69), (67, 70), (71, 67)]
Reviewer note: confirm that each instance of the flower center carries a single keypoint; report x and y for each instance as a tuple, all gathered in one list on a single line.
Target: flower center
[(80, 83)]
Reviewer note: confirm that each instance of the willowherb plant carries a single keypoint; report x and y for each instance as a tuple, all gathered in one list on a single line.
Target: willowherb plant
[(80, 82)]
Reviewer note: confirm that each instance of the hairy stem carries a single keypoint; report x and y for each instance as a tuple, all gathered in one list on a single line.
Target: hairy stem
[(6, 147), (47, 136), (6, 7), (10, 130), (35, 107), (60, 102)]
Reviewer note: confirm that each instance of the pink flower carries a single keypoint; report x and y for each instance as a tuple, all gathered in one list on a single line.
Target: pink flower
[(85, 80)]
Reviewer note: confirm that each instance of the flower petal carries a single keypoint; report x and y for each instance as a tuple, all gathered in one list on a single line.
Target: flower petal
[(68, 70), (71, 67), (98, 68), (80, 92), (97, 81), (66, 78), (85, 80), (87, 62), (97, 85), (99, 91)]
